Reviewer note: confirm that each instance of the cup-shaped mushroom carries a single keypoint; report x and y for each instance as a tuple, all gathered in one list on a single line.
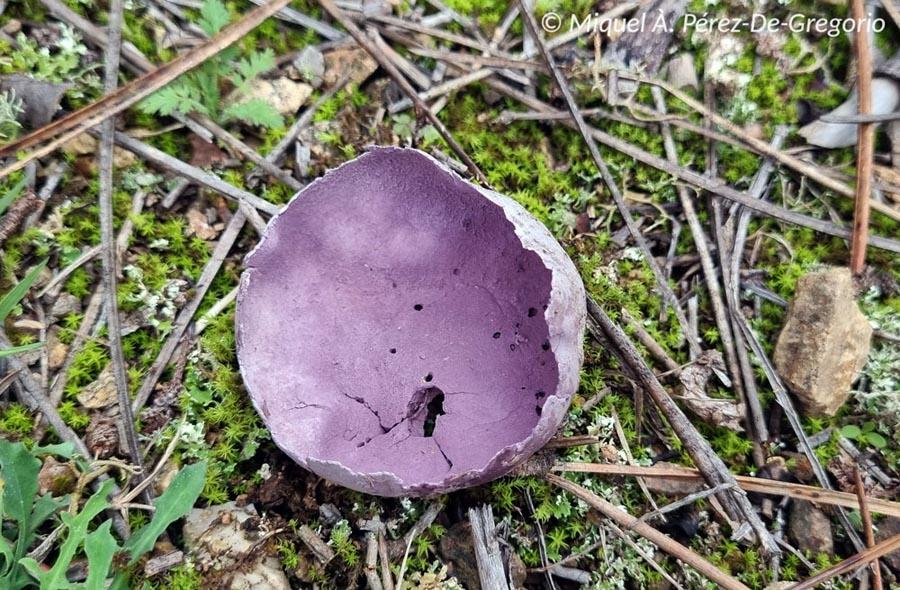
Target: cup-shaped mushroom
[(402, 331)]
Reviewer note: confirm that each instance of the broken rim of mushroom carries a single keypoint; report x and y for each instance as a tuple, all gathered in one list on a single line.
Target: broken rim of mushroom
[(405, 332)]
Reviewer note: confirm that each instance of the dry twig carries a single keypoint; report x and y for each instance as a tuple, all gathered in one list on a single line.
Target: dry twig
[(108, 247), (58, 132), (867, 526), (748, 484), (670, 546), (865, 143), (714, 470)]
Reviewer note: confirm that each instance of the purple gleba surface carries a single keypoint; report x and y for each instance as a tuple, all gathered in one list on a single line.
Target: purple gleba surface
[(405, 332)]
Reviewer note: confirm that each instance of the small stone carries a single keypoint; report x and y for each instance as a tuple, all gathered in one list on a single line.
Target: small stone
[(887, 528), (682, 73), (311, 65), (164, 479), (216, 538), (329, 514), (284, 94), (810, 528), (353, 59), (56, 478), (65, 304), (100, 393), (824, 342), (86, 144), (56, 351), (13, 27), (198, 225)]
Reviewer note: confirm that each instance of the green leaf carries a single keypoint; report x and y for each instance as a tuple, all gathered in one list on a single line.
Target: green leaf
[(18, 349), (77, 532), (249, 68), (15, 295), (213, 17), (176, 97), (255, 111), (12, 194), (100, 547), (851, 431), (176, 501), (876, 440), (45, 506), (19, 476), (65, 450)]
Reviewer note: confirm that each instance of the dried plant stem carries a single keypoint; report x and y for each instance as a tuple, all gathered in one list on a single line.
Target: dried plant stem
[(372, 48), (226, 240), (164, 160), (608, 179), (865, 143), (109, 254), (715, 472), (59, 132), (670, 546), (867, 526), (710, 274), (861, 559), (750, 484)]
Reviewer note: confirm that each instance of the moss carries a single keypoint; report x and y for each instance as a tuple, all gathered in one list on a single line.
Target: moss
[(215, 402), (16, 419), (183, 577)]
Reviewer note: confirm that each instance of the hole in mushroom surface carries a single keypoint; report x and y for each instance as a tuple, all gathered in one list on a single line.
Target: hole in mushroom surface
[(312, 327), (435, 408), (423, 411)]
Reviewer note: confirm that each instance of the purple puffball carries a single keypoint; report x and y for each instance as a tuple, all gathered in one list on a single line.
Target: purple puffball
[(405, 332)]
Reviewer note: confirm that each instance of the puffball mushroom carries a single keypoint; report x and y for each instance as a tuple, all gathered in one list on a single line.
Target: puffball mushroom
[(402, 331)]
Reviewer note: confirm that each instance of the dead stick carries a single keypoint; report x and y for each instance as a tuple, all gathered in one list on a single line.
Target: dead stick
[(865, 143), (108, 251), (670, 546), (226, 240), (710, 464), (404, 84), (771, 487), (717, 302), (608, 179), (851, 563), (59, 132), (867, 526)]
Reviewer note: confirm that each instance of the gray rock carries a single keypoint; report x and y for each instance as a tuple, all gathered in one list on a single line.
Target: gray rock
[(311, 65), (887, 528), (682, 72), (824, 342), (218, 539), (810, 528)]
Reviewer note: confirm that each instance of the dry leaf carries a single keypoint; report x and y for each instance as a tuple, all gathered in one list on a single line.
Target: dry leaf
[(692, 393)]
